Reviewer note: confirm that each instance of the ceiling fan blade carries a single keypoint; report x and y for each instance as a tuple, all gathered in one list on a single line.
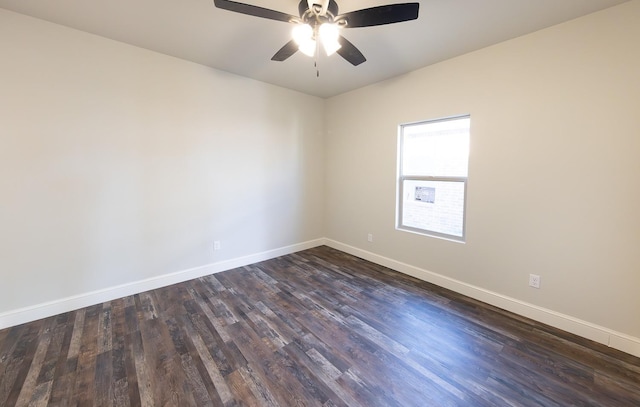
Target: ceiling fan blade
[(389, 14), (285, 52), (254, 10), (349, 52)]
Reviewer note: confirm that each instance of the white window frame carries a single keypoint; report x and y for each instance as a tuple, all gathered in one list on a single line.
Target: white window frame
[(402, 178)]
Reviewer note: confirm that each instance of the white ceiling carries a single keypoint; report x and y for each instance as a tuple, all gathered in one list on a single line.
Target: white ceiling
[(197, 31)]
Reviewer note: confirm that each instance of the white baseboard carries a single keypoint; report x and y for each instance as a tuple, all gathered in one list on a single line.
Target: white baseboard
[(616, 340), (47, 309)]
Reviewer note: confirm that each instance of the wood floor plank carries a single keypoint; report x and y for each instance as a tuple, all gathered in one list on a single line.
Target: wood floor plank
[(118, 350), (194, 379), (31, 381), (221, 387), (10, 363), (320, 368), (17, 365), (133, 390), (121, 393), (40, 397), (162, 363), (84, 391), (314, 328), (55, 369), (144, 376)]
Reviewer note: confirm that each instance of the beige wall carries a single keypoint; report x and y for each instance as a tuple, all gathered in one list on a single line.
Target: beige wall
[(554, 178), (119, 164)]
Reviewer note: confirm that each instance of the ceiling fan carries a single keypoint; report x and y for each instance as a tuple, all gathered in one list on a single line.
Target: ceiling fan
[(319, 22)]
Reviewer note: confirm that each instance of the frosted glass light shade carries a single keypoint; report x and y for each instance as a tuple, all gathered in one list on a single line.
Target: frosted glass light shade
[(308, 47), (303, 36), (329, 35)]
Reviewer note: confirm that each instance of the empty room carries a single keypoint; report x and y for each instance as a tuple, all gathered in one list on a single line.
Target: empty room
[(320, 203)]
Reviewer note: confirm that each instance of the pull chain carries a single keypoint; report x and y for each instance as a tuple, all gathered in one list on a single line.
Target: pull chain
[(315, 57)]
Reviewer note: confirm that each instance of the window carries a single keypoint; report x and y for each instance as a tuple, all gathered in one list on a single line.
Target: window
[(433, 160)]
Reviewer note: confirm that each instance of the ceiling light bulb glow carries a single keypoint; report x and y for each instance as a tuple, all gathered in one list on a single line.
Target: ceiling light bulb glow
[(329, 35), (303, 36), (302, 33), (308, 47)]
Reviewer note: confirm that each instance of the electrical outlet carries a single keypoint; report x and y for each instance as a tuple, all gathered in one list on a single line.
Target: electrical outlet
[(370, 237), (216, 245), (534, 280)]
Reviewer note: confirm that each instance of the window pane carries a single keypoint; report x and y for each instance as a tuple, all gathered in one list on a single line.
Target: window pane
[(439, 148), (436, 206)]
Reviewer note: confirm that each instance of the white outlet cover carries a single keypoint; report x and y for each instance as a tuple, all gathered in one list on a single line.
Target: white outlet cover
[(534, 280)]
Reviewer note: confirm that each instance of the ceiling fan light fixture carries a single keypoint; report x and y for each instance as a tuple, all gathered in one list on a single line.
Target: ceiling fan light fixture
[(308, 48), (302, 33), (303, 36), (329, 35), (315, 13)]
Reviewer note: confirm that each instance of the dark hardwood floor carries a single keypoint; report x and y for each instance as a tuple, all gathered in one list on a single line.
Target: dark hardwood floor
[(316, 328)]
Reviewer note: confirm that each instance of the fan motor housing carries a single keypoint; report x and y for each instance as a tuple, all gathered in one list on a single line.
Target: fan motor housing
[(332, 8)]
